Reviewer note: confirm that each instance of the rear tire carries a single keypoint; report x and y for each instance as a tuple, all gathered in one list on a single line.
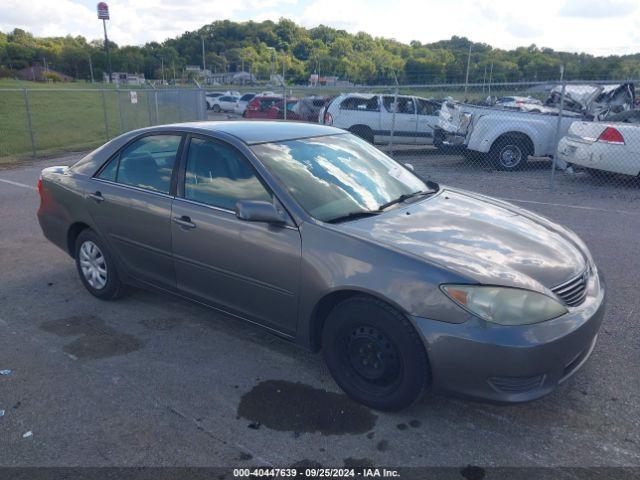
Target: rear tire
[(375, 354), (363, 132), (509, 153), (216, 109), (96, 267)]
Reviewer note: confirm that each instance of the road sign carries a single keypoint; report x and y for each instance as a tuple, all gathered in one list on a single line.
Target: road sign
[(133, 96), (103, 11)]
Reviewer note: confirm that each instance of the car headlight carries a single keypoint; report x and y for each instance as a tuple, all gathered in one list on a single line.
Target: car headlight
[(504, 305)]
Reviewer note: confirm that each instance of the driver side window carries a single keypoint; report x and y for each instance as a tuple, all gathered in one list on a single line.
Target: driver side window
[(218, 175)]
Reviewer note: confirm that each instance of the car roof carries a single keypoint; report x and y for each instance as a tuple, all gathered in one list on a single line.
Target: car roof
[(255, 131)]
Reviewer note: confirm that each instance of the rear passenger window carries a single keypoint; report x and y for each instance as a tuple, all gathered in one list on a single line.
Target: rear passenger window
[(146, 163), (426, 107), (405, 105), (218, 175), (369, 104)]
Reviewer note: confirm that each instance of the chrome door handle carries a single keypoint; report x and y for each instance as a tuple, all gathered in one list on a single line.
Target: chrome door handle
[(97, 196), (185, 222)]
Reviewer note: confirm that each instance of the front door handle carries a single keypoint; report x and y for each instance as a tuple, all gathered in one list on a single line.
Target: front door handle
[(97, 197), (185, 222)]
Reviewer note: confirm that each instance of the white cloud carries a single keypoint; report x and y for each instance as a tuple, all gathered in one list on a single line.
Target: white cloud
[(598, 8)]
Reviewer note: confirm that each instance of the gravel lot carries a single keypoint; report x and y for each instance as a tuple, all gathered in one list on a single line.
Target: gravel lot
[(152, 380)]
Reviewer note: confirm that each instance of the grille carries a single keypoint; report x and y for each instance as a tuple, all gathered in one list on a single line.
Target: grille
[(516, 384), (573, 292)]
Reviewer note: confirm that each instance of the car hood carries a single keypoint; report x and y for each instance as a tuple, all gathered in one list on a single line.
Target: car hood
[(483, 239)]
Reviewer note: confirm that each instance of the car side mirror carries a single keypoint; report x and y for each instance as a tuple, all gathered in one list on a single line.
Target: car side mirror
[(260, 211)]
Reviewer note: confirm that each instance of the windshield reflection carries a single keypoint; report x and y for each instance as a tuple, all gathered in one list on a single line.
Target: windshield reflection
[(337, 175)]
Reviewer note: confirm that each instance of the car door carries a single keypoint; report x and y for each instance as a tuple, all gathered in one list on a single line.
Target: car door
[(246, 268), (404, 125), (427, 112), (130, 202)]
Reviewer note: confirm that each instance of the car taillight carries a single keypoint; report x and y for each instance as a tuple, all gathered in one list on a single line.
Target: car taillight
[(40, 186), (328, 119), (611, 135)]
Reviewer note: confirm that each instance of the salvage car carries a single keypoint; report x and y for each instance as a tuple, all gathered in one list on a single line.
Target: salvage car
[(243, 102), (270, 107), (372, 117), (602, 147), (507, 137), (224, 103), (314, 234)]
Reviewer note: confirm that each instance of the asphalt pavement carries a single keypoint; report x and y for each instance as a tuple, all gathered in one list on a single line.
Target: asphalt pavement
[(153, 380)]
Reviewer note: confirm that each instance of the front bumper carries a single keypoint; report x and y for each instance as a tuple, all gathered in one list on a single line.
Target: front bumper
[(511, 364)]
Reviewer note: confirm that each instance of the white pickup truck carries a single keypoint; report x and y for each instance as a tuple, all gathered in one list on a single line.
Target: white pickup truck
[(508, 136)]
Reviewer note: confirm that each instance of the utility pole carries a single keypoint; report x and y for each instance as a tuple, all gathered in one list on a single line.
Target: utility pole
[(103, 14), (284, 92), (466, 81), (204, 63), (490, 75), (91, 68), (162, 68)]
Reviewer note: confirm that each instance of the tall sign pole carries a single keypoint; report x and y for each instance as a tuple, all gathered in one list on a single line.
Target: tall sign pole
[(103, 14)]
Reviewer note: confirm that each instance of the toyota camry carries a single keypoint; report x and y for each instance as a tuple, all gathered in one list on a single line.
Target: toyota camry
[(314, 234)]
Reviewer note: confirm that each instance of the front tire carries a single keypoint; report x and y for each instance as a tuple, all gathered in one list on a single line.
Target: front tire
[(216, 109), (374, 354), (96, 267)]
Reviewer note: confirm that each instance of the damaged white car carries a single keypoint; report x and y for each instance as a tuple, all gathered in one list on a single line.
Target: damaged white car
[(508, 136)]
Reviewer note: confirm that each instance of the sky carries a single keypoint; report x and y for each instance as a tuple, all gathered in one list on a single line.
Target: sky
[(599, 27)]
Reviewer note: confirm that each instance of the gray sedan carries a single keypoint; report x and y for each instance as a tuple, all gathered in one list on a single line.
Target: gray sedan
[(312, 233)]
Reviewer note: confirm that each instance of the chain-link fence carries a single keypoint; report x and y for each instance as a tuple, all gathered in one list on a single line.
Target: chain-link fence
[(38, 122), (576, 136), (580, 135)]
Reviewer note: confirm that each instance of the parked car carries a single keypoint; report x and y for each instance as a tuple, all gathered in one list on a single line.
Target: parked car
[(518, 102), (324, 240), (211, 96), (243, 102), (224, 103), (370, 116), (308, 108), (602, 147), (508, 137), (270, 107)]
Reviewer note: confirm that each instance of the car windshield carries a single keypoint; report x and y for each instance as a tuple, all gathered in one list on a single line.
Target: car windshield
[(338, 176)]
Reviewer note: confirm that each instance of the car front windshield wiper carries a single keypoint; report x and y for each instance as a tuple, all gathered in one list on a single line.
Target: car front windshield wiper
[(353, 216), (404, 197)]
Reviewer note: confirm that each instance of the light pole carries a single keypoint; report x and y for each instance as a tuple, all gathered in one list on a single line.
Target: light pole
[(103, 14)]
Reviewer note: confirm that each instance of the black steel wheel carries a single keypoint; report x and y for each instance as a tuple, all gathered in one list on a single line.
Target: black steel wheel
[(375, 354)]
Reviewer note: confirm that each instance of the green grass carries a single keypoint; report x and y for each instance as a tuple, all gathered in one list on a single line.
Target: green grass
[(75, 120)]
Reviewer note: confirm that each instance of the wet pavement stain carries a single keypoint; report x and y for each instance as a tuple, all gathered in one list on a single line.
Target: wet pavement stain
[(402, 426), (472, 472), (295, 407), (415, 423), (382, 446), (95, 339)]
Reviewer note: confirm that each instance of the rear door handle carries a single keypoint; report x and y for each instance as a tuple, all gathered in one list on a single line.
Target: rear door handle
[(96, 196), (185, 222)]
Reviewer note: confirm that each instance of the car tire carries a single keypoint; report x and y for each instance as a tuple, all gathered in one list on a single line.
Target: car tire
[(363, 132), (92, 257), (509, 153), (216, 108), (375, 354)]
